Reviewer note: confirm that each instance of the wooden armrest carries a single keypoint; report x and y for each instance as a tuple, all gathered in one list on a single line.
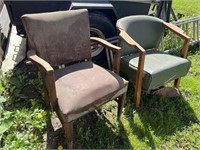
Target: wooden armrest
[(131, 42), (47, 74), (115, 49), (179, 32), (124, 36), (39, 61), (105, 44), (176, 30)]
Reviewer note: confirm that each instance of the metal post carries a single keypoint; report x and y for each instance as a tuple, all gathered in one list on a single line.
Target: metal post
[(198, 38), (1, 51), (194, 29), (0, 35)]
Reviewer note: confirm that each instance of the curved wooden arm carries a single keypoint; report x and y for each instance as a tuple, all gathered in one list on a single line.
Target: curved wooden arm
[(138, 83), (106, 44), (115, 49), (39, 61), (131, 42), (47, 74), (180, 33), (176, 30)]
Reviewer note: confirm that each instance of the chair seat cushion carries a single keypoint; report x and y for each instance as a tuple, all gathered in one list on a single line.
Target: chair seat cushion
[(159, 68), (83, 85)]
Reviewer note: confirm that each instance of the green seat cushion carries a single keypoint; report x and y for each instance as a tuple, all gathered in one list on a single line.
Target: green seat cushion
[(159, 68)]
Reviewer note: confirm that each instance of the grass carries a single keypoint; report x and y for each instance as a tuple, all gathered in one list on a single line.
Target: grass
[(160, 123), (22, 120), (189, 8)]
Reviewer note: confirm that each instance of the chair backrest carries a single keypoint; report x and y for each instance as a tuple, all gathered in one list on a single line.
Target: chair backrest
[(145, 30), (59, 37)]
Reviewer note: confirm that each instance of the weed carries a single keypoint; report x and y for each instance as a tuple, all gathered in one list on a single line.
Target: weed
[(23, 120)]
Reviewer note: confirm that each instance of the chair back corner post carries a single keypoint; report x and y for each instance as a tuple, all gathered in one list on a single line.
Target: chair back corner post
[(116, 62), (120, 38)]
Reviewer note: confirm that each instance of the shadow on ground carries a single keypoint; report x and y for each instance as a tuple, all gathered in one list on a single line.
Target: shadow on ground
[(159, 115), (93, 131)]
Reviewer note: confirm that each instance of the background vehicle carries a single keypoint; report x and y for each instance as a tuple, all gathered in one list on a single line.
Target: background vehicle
[(103, 15)]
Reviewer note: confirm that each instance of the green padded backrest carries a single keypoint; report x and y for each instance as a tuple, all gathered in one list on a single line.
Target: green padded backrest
[(145, 30)]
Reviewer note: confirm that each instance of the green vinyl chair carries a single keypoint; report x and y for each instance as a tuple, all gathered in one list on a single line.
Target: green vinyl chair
[(142, 62)]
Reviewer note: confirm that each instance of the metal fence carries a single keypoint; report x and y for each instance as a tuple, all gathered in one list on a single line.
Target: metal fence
[(190, 26)]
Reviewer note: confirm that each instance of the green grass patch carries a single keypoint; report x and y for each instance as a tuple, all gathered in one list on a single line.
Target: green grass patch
[(189, 8), (160, 123), (22, 120)]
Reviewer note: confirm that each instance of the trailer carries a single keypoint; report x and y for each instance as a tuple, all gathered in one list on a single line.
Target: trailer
[(103, 15)]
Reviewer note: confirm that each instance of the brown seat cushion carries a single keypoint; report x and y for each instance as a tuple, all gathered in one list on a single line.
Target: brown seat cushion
[(83, 85)]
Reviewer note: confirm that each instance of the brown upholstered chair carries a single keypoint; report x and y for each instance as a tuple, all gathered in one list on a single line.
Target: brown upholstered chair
[(145, 65), (63, 39)]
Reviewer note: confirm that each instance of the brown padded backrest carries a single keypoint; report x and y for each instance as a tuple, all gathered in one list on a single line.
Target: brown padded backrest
[(59, 37)]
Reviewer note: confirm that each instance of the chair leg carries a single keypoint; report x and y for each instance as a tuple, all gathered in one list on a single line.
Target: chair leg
[(46, 96), (68, 127), (177, 82), (137, 95), (121, 102), (46, 99)]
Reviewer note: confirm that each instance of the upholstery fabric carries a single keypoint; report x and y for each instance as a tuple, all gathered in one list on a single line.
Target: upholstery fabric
[(159, 68), (57, 37), (145, 30), (83, 85)]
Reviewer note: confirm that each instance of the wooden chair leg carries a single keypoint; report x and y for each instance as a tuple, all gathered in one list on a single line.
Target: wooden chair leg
[(137, 95), (138, 84), (177, 82), (46, 95), (121, 102), (46, 98), (68, 127)]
